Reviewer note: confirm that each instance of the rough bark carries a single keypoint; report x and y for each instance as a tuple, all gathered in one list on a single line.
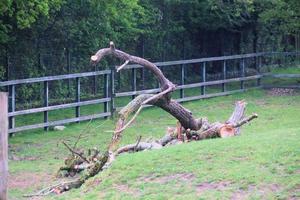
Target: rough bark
[(179, 135), (123, 115), (164, 101)]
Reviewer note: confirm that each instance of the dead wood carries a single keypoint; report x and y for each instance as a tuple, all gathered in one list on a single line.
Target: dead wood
[(74, 152), (187, 129), (228, 129), (123, 115), (162, 99)]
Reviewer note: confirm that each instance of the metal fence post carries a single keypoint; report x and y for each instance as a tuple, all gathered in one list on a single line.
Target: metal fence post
[(286, 59), (143, 78), (203, 88), (242, 66), (259, 69), (12, 105), (106, 86), (3, 145), (46, 103), (95, 82), (224, 76), (112, 91), (133, 81), (77, 96), (182, 80), (7, 65), (69, 71)]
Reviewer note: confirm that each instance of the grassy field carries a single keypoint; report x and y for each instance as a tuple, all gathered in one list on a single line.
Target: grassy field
[(262, 163)]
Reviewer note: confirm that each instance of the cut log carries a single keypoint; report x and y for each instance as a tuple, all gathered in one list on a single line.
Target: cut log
[(228, 129)]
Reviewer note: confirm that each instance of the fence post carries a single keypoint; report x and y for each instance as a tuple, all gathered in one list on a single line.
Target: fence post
[(182, 80), (7, 65), (46, 103), (258, 69), (133, 81), (203, 78), (12, 105), (157, 82), (77, 96), (242, 65), (143, 78), (3, 145), (105, 92), (112, 91), (95, 81), (224, 76), (285, 59), (69, 71)]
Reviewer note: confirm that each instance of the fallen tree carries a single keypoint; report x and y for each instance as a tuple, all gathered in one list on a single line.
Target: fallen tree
[(188, 128)]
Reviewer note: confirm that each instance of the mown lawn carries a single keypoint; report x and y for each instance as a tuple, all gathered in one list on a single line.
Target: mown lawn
[(262, 163)]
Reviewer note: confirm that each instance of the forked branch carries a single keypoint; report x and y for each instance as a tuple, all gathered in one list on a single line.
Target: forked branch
[(162, 99)]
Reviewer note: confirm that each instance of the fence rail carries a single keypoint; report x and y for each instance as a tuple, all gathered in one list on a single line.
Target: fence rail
[(110, 94)]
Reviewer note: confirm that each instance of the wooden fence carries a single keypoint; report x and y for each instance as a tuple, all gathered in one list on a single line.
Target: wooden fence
[(110, 95)]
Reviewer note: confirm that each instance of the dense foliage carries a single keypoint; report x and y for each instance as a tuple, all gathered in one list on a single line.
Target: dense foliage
[(40, 37)]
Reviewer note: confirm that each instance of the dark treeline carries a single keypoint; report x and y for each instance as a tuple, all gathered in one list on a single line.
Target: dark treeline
[(50, 37)]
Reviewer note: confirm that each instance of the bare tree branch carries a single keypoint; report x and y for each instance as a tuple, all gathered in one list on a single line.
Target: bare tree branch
[(122, 66), (74, 152), (163, 99), (165, 83), (245, 120)]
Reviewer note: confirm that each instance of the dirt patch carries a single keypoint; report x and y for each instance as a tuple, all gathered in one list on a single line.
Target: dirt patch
[(294, 193), (263, 191), (27, 180), (17, 158), (240, 195), (95, 182), (281, 92), (220, 186), (123, 188), (297, 171), (240, 158), (182, 177), (261, 102)]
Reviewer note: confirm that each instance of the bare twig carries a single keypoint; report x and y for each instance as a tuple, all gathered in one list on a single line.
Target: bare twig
[(78, 138), (131, 120), (245, 120), (74, 152), (157, 96), (137, 143), (122, 66), (46, 191)]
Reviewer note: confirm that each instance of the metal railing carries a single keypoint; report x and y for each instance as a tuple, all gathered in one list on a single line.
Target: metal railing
[(109, 93)]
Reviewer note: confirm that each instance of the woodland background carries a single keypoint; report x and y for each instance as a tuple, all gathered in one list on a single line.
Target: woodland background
[(52, 37)]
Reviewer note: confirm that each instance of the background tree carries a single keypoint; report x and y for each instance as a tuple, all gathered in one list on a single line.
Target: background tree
[(39, 38)]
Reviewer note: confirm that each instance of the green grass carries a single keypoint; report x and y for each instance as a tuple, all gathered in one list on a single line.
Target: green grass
[(261, 163), (286, 70), (283, 81)]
